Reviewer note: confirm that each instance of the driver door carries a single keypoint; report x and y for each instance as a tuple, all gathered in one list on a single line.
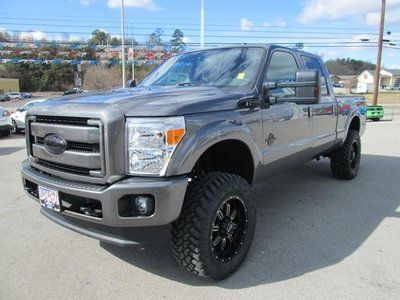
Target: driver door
[(287, 128)]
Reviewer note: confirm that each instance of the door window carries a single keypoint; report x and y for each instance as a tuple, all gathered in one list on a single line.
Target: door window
[(282, 68)]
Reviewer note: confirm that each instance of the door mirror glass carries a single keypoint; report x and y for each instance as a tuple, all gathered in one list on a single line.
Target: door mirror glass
[(304, 90)]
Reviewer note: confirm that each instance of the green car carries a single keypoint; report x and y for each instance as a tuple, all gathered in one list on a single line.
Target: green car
[(374, 113)]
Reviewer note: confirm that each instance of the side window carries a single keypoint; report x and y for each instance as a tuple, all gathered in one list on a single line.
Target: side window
[(312, 63), (282, 67)]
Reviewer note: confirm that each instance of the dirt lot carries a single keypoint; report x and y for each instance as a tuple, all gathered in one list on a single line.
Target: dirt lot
[(316, 238)]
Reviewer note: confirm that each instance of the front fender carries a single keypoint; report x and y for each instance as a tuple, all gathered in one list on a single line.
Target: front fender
[(204, 131)]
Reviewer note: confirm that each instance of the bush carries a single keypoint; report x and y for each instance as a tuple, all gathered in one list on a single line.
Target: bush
[(101, 77)]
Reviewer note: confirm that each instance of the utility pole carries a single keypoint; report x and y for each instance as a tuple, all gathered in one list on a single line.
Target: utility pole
[(133, 59), (202, 24), (379, 58), (123, 42)]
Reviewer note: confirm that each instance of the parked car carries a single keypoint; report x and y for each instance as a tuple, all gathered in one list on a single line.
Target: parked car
[(375, 112), (18, 118), (15, 96), (27, 95), (72, 91), (5, 122), (179, 154), (4, 98)]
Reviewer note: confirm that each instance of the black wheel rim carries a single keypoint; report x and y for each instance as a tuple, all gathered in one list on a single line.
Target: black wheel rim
[(354, 155), (229, 228)]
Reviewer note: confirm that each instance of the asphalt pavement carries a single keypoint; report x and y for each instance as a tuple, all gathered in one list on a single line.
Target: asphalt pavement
[(316, 238)]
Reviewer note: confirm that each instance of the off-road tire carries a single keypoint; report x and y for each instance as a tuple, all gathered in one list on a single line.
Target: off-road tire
[(345, 161), (192, 233)]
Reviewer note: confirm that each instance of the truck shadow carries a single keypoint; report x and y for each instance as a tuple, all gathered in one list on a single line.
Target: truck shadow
[(307, 220)]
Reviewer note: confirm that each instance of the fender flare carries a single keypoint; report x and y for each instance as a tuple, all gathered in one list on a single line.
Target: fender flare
[(194, 146)]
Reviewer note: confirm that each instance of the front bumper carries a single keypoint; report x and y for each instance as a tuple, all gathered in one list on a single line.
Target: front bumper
[(168, 193)]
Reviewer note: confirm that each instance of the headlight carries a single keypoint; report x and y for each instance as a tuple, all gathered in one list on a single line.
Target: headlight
[(151, 143)]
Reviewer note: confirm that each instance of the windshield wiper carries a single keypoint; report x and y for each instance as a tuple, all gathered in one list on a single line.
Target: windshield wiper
[(185, 84)]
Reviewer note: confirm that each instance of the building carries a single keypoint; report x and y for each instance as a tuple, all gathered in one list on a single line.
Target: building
[(9, 85), (345, 81), (388, 80)]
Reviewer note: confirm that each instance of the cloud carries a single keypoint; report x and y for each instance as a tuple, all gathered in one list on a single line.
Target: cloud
[(186, 40), (34, 35), (245, 24), (146, 4), (315, 10), (392, 15)]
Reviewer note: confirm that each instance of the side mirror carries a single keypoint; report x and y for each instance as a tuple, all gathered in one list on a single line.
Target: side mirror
[(19, 109), (306, 88), (132, 83)]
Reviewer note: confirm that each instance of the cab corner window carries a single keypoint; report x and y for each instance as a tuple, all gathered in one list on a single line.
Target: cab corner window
[(312, 63)]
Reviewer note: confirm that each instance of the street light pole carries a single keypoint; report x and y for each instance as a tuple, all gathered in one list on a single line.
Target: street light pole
[(379, 58), (133, 59), (202, 24), (123, 42)]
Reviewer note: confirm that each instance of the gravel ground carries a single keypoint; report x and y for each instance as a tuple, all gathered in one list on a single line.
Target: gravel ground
[(316, 238)]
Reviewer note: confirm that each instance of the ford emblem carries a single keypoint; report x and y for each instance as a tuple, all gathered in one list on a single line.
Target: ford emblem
[(55, 144)]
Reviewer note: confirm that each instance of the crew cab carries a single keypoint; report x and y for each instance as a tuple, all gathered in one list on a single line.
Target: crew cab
[(179, 154)]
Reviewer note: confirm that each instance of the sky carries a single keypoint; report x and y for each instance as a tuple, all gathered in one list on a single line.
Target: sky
[(330, 28)]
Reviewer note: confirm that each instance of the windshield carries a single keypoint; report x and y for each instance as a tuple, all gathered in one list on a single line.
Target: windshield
[(233, 67)]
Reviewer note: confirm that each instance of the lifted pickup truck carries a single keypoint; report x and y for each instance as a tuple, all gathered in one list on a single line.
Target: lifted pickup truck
[(181, 152)]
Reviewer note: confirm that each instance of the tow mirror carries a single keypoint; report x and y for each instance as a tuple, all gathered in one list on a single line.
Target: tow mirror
[(306, 88)]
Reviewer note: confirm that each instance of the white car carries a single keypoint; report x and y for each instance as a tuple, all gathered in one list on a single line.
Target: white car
[(18, 118), (15, 96), (5, 122)]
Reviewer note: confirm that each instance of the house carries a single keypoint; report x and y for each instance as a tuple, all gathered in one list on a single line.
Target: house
[(9, 85), (346, 81), (388, 80)]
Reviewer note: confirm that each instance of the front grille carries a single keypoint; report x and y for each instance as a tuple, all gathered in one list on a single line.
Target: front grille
[(64, 168), (84, 154), (76, 146), (63, 120)]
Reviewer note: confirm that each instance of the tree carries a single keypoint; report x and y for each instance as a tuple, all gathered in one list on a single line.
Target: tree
[(99, 37), (177, 40), (348, 66), (101, 77), (4, 36), (155, 38)]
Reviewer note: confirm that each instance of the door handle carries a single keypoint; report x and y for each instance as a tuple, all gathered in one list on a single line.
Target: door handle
[(310, 112)]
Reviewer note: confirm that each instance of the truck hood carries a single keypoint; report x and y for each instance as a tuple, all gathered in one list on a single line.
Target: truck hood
[(154, 101)]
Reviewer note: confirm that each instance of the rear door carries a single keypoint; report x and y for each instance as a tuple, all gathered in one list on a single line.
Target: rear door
[(322, 113), (287, 129)]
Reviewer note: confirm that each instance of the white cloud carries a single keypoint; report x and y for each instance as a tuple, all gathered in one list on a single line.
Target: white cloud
[(147, 4), (315, 10), (34, 35), (245, 24), (186, 40), (392, 15), (279, 22)]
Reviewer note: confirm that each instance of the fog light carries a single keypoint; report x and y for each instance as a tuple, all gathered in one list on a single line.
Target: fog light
[(144, 204)]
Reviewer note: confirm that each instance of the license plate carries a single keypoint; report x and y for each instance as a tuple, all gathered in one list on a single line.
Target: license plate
[(49, 198)]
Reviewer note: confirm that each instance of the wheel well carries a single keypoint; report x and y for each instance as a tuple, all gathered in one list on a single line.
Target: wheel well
[(355, 124), (230, 156)]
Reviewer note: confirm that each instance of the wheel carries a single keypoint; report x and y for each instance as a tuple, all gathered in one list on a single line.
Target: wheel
[(17, 98), (345, 161), (375, 119), (5, 133), (216, 225), (15, 128)]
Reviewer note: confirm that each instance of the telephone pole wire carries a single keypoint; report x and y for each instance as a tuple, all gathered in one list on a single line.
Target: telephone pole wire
[(379, 58)]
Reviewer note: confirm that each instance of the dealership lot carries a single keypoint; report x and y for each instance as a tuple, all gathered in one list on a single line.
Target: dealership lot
[(316, 237)]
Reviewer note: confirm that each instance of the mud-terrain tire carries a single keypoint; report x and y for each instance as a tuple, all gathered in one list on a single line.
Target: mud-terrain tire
[(345, 161), (216, 225)]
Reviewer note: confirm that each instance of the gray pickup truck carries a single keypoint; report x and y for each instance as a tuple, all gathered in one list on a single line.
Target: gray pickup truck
[(177, 155)]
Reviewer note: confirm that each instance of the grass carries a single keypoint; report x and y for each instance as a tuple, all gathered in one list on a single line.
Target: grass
[(384, 98)]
